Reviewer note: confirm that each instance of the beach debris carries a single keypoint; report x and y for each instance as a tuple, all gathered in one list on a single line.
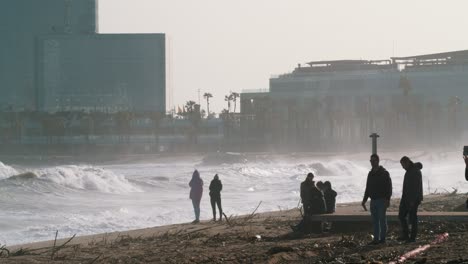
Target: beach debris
[(279, 249), (259, 237), (4, 252), (439, 239), (348, 242)]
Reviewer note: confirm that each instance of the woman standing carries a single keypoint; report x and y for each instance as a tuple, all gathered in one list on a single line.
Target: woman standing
[(196, 192), (215, 197)]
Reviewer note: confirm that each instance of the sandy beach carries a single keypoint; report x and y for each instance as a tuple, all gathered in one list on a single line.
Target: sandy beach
[(258, 238)]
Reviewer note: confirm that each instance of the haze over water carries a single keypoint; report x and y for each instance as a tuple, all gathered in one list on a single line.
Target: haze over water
[(88, 199)]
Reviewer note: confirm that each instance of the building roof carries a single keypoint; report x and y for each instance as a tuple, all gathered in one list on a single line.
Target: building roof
[(434, 56), (346, 62)]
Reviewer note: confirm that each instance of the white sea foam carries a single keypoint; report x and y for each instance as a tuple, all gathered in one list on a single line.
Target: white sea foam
[(6, 171), (88, 199), (87, 178)]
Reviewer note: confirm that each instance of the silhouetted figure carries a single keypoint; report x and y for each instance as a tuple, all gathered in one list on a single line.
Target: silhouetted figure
[(196, 192), (466, 166), (379, 189), (320, 186), (215, 197), (466, 175), (330, 197), (313, 203), (307, 187), (411, 198)]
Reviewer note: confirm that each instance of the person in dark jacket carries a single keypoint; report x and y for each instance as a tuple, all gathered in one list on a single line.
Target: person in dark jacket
[(466, 174), (215, 197), (466, 166), (379, 189), (411, 198), (330, 197), (196, 192), (313, 203), (312, 198)]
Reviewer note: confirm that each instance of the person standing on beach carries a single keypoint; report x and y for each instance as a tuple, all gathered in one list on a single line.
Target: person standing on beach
[(466, 166), (379, 190), (410, 199), (466, 174), (215, 197), (196, 192)]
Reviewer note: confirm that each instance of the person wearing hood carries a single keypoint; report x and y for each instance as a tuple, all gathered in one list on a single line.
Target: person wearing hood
[(379, 190), (215, 197), (196, 192), (411, 198)]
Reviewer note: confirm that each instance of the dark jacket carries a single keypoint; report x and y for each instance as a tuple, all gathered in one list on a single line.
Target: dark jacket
[(466, 173), (306, 191), (412, 185), (215, 188), (312, 197), (379, 185), (330, 200), (196, 186)]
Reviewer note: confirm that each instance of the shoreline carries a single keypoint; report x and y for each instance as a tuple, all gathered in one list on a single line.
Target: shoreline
[(238, 235)]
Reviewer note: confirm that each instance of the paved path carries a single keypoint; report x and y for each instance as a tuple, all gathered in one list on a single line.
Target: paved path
[(353, 214)]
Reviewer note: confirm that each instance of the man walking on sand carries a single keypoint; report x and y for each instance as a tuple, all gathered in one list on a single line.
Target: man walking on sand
[(410, 199), (379, 189)]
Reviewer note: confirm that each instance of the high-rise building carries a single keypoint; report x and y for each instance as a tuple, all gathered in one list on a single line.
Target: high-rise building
[(51, 58)]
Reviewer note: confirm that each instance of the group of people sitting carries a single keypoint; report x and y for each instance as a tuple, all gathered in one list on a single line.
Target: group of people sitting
[(316, 198)]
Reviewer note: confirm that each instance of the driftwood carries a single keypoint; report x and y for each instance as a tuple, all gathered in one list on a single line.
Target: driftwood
[(4, 251), (94, 260), (55, 243), (55, 250), (252, 215)]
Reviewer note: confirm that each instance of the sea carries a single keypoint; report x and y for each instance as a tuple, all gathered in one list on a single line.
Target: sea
[(85, 198)]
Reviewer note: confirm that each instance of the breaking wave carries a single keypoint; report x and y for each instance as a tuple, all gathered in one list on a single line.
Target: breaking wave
[(6, 171), (87, 178)]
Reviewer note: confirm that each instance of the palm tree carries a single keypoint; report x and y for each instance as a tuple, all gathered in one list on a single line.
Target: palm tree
[(189, 105), (234, 97), (228, 99), (207, 96)]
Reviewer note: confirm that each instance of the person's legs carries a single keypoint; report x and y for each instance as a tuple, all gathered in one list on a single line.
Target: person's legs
[(413, 219), (307, 210), (402, 213), (220, 209), (382, 211), (213, 207), (196, 208), (375, 220)]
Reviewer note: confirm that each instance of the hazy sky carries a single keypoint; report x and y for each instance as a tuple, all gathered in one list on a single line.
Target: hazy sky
[(219, 46)]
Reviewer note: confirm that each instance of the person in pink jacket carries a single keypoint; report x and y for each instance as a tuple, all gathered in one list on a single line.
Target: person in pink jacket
[(196, 192)]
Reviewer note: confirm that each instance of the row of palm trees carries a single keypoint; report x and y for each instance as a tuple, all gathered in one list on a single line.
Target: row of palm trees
[(231, 97)]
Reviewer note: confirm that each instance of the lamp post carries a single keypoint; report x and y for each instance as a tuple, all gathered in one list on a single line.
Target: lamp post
[(374, 137)]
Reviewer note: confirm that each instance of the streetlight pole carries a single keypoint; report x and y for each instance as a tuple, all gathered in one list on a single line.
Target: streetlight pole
[(374, 137)]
